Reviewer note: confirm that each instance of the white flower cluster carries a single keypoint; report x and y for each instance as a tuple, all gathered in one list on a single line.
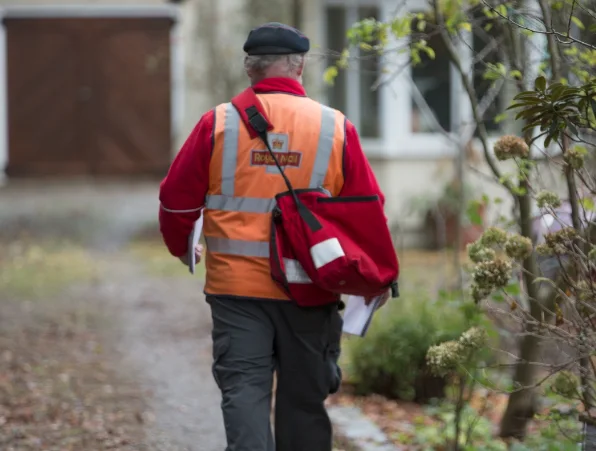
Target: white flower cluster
[(448, 356), (508, 147), (494, 253)]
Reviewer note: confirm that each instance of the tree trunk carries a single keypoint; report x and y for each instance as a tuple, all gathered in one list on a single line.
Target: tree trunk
[(522, 403)]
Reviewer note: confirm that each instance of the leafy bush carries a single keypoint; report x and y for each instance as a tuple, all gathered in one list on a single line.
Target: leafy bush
[(391, 359), (556, 433)]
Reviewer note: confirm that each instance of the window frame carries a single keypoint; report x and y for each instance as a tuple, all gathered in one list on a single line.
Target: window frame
[(373, 146), (397, 140)]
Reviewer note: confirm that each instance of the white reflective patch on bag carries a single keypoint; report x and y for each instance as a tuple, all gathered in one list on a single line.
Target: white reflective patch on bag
[(325, 252), (295, 273)]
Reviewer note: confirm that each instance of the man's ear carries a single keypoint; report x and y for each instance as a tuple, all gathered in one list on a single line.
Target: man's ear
[(248, 72), (301, 68)]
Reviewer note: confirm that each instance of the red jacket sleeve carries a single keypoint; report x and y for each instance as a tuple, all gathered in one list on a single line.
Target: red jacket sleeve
[(359, 179), (182, 192)]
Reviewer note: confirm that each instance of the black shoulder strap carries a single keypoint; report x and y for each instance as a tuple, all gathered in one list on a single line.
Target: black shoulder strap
[(255, 119)]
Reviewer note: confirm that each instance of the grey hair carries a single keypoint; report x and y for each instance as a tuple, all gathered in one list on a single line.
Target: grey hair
[(258, 64)]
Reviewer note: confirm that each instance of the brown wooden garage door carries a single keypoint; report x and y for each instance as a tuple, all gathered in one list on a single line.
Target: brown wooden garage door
[(88, 96)]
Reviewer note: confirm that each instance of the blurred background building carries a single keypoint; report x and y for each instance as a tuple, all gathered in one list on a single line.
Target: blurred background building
[(112, 88)]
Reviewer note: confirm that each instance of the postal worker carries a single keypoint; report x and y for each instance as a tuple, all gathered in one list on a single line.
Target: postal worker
[(257, 331)]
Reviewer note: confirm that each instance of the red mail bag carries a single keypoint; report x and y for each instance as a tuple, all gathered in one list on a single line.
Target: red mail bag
[(323, 246)]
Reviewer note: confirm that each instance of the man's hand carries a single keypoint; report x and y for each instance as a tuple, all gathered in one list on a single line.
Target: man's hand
[(382, 302), (198, 252), (198, 255)]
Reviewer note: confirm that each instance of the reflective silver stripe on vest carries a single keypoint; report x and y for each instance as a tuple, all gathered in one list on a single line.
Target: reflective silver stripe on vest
[(324, 148), (238, 247), (230, 150), (242, 204)]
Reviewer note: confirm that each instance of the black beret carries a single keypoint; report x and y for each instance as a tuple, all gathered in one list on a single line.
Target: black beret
[(276, 39)]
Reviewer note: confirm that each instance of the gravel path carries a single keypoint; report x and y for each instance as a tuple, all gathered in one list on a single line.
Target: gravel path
[(166, 340), (162, 326)]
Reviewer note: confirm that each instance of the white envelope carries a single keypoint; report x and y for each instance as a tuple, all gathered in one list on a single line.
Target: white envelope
[(358, 316), (193, 240)]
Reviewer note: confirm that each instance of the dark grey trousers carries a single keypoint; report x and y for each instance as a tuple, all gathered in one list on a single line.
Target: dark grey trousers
[(251, 340)]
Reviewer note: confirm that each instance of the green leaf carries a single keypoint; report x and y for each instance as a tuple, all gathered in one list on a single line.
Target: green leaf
[(330, 75), (473, 212), (500, 118), (578, 23), (430, 52), (402, 26), (505, 179), (342, 63), (548, 140), (540, 84), (415, 57), (513, 289), (587, 204), (519, 191), (582, 150), (494, 71), (466, 26), (497, 297)]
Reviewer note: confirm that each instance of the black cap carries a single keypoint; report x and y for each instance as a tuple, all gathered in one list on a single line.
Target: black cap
[(274, 38)]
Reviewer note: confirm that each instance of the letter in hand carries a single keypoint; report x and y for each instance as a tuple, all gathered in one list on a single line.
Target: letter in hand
[(198, 252), (198, 255), (382, 302)]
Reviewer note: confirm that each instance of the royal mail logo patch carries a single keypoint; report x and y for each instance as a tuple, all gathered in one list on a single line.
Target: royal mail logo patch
[(279, 143), (264, 158)]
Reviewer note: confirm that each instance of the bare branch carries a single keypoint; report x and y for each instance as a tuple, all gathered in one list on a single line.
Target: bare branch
[(557, 34), (471, 94)]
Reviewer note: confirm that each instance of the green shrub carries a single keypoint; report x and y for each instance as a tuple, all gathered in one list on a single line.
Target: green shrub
[(391, 359), (555, 433)]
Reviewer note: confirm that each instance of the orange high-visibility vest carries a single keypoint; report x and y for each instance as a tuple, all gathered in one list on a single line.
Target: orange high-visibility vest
[(308, 140)]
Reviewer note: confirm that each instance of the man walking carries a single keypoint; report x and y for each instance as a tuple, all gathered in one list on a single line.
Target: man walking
[(256, 330)]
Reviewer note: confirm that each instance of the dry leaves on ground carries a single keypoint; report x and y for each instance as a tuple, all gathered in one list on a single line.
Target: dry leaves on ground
[(58, 393)]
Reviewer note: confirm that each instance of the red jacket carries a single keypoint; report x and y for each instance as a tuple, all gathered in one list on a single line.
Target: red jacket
[(182, 192)]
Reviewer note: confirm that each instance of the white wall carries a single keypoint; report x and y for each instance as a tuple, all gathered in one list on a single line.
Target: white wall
[(402, 181)]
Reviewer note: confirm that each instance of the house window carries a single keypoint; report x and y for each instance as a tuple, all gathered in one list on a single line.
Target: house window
[(431, 96), (352, 91), (336, 40), (369, 73)]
